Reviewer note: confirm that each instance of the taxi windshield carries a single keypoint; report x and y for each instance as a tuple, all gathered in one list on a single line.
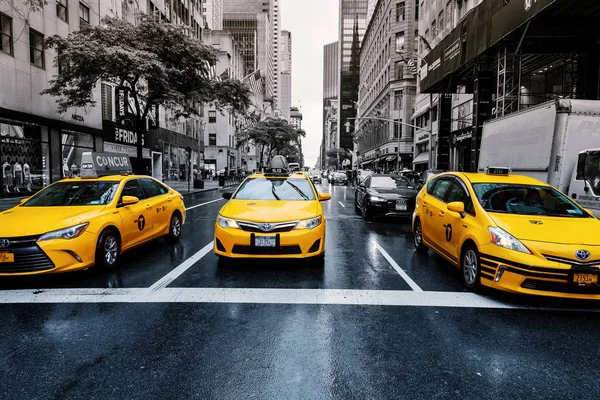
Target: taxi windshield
[(275, 189), (526, 200), (91, 193)]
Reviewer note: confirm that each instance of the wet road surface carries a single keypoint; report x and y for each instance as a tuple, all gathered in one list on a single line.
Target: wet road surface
[(378, 321)]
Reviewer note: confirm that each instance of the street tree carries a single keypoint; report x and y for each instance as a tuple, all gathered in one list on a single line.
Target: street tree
[(272, 136), (153, 62), (335, 157)]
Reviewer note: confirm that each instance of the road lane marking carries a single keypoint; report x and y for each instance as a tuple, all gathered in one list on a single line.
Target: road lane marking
[(342, 204), (181, 268), (404, 298), (399, 270), (203, 204)]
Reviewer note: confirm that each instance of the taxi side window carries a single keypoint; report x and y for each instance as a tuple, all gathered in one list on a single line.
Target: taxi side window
[(440, 188), (151, 188), (458, 193), (133, 188)]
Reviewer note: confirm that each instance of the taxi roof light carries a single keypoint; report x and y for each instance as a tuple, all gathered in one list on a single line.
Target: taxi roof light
[(277, 166), (94, 165), (504, 171)]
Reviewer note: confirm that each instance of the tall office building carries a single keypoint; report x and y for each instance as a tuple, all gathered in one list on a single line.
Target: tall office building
[(252, 24), (331, 74), (353, 22), (213, 14), (285, 82), (276, 50)]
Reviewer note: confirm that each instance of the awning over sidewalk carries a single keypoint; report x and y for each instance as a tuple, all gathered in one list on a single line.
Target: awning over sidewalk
[(391, 158), (422, 158)]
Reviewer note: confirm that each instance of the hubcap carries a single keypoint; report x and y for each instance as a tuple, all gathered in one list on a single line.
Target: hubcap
[(470, 267), (418, 234), (110, 250), (175, 226)]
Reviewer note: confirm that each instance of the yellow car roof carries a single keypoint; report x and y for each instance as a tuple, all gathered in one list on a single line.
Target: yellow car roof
[(481, 177)]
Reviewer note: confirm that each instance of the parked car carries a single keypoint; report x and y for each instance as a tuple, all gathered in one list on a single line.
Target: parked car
[(385, 195)]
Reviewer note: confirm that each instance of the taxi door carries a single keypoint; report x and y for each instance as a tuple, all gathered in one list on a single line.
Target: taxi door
[(452, 226), (161, 204), (137, 219), (434, 209)]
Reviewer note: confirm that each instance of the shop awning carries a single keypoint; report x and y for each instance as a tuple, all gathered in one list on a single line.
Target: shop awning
[(421, 158), (391, 158), (420, 111)]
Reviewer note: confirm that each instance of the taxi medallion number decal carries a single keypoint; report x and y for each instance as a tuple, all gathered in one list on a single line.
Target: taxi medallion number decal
[(585, 279), (448, 232), (141, 221), (7, 257)]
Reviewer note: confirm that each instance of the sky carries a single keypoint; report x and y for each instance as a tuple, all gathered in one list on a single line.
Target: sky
[(313, 24)]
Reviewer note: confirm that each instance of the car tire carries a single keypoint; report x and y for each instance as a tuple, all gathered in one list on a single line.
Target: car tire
[(108, 249), (224, 262), (317, 261), (470, 268), (418, 237), (357, 208), (174, 227), (365, 212)]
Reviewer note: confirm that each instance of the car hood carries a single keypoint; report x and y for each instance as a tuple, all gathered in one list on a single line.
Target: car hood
[(29, 221), (393, 194), (550, 229), (270, 210)]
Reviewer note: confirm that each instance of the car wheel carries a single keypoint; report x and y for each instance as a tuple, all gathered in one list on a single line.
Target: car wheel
[(317, 261), (366, 214), (224, 262), (357, 208), (108, 249), (418, 237), (174, 227), (470, 268)]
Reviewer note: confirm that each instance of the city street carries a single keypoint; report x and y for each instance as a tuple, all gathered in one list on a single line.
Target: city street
[(378, 321)]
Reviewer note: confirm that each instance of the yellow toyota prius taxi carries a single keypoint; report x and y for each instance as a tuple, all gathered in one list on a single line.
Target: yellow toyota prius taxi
[(272, 215), (510, 232), (76, 223)]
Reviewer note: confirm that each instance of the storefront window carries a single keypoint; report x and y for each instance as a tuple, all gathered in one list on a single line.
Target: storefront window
[(171, 162), (73, 145), (24, 158)]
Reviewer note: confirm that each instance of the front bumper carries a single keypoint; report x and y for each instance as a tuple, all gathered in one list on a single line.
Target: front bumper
[(236, 243), (49, 256), (388, 210), (527, 274)]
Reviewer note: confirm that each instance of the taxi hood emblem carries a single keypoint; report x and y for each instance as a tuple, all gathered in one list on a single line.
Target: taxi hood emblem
[(266, 227), (582, 255), (4, 243)]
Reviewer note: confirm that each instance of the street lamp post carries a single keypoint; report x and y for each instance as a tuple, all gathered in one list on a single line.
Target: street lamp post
[(429, 130)]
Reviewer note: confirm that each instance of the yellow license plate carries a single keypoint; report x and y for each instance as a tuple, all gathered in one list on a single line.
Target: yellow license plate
[(585, 279), (7, 257)]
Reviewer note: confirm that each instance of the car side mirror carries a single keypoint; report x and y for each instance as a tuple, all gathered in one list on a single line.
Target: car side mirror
[(457, 207), (227, 196), (129, 200), (324, 196)]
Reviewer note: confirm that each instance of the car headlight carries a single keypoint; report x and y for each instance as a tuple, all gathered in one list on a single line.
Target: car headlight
[(227, 222), (376, 199), (309, 223), (504, 239), (67, 233)]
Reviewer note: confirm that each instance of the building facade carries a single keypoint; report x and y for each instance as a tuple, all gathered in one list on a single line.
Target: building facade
[(352, 26), (285, 82), (331, 74), (387, 88), (296, 117)]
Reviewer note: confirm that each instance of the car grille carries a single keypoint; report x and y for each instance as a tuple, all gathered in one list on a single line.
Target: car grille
[(29, 257), (570, 261), (275, 227), (252, 250), (547, 286)]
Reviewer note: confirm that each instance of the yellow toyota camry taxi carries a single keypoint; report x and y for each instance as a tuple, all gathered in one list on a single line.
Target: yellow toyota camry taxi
[(510, 232), (76, 223), (272, 215)]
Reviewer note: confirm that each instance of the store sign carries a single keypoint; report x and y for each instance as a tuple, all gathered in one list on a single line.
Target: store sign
[(122, 104), (131, 151), (463, 136), (422, 137)]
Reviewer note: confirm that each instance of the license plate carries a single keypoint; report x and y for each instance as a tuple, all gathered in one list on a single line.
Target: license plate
[(585, 279), (7, 257), (264, 241), (401, 205)]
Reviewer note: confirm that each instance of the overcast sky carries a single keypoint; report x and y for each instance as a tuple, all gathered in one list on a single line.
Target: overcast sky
[(313, 23)]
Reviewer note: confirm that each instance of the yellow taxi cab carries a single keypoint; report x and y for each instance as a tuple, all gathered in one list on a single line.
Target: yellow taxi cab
[(510, 232), (275, 214), (76, 223)]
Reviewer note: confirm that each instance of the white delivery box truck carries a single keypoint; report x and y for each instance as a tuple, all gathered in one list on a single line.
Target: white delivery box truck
[(557, 142)]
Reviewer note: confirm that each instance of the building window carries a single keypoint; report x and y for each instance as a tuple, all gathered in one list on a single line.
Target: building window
[(84, 15), (6, 38), (399, 41), (36, 49), (434, 28), (416, 40), (417, 10), (396, 130), (400, 11), (441, 21), (212, 139), (398, 99), (61, 10), (398, 70), (212, 117), (107, 102)]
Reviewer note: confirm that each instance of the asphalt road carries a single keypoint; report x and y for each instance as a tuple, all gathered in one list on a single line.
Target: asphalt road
[(378, 321)]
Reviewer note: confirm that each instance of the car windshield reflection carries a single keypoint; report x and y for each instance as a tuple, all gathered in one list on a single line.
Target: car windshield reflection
[(275, 189), (75, 194)]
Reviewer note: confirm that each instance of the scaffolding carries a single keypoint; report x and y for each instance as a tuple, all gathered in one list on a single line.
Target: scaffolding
[(508, 82)]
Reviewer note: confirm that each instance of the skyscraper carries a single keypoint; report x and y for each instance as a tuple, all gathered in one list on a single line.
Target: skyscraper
[(276, 49), (285, 82), (331, 74), (353, 22)]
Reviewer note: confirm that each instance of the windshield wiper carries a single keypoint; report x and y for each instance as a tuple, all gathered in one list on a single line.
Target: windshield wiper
[(273, 190), (300, 192)]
